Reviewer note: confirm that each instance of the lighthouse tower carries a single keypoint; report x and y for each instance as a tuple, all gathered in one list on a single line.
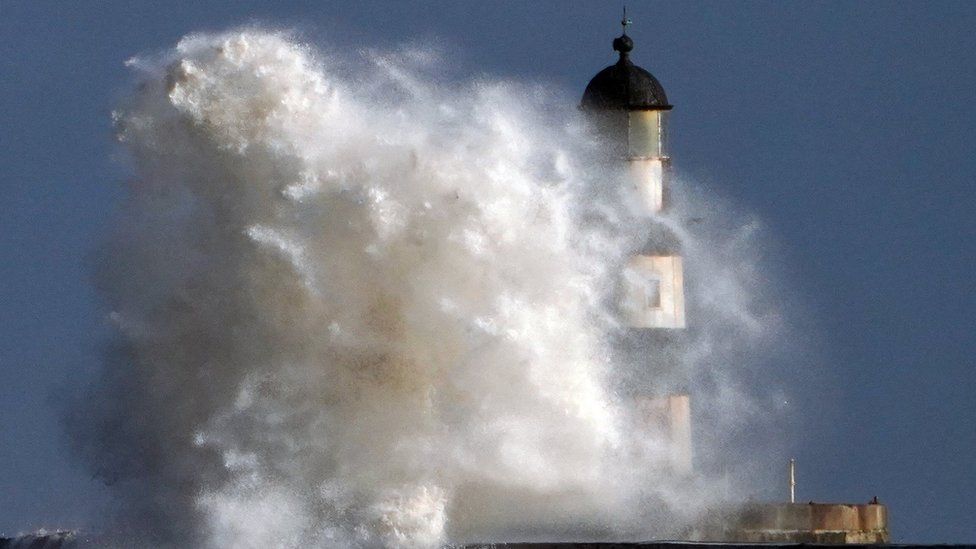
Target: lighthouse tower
[(629, 107)]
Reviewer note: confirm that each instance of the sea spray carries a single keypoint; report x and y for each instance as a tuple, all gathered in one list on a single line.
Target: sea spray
[(364, 308)]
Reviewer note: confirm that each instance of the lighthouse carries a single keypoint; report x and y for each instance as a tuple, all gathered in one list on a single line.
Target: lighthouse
[(630, 109)]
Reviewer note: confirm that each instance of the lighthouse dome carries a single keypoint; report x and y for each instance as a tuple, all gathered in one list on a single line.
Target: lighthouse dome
[(624, 85)]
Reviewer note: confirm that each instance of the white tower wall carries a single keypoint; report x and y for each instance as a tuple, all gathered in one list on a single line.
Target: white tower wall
[(647, 175), (668, 418), (654, 284), (655, 292)]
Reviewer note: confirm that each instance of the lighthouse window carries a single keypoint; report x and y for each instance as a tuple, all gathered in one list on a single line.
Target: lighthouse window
[(644, 133), (652, 292)]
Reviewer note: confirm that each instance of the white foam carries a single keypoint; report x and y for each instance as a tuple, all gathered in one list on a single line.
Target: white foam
[(369, 311)]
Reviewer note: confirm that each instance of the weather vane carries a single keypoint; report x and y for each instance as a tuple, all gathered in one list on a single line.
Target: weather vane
[(625, 22)]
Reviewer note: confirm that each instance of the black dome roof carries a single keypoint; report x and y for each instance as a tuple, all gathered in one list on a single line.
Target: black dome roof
[(624, 85)]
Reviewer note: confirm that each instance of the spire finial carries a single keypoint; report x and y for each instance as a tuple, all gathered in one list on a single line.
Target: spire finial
[(623, 43)]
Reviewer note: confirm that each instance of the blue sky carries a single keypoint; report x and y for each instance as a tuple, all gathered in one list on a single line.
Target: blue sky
[(848, 128)]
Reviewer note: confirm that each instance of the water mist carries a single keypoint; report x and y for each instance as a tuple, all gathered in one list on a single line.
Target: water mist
[(359, 308)]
